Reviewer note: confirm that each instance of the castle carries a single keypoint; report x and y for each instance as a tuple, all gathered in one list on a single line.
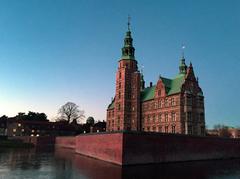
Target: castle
[(171, 106)]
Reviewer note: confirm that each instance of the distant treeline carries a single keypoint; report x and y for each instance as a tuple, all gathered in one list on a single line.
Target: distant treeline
[(29, 116)]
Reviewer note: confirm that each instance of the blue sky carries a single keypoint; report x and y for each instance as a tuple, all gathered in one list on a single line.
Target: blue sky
[(54, 51)]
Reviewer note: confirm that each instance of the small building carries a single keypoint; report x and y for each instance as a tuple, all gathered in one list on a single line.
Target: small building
[(16, 127)]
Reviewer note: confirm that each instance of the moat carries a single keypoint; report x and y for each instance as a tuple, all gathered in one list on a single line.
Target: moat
[(63, 163)]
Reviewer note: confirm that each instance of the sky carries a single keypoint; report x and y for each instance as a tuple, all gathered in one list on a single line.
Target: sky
[(55, 51)]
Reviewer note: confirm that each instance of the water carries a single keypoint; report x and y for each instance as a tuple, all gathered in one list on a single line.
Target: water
[(64, 164)]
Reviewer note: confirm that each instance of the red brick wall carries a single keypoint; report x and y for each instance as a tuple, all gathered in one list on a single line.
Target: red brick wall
[(66, 142), (142, 148), (106, 147)]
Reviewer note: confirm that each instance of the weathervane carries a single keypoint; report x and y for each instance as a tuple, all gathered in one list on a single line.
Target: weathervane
[(183, 47), (129, 18)]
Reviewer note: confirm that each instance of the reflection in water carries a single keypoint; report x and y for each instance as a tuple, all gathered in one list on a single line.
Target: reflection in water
[(65, 164), (92, 168)]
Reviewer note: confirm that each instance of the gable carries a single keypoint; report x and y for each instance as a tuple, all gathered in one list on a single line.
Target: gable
[(172, 86)]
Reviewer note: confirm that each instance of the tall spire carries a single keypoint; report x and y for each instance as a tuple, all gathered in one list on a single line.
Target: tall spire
[(129, 18), (128, 49), (182, 66)]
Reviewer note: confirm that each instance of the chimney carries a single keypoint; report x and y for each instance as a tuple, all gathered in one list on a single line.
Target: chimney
[(150, 84)]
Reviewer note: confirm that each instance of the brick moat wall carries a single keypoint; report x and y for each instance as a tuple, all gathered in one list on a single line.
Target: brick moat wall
[(66, 142), (143, 148), (107, 147)]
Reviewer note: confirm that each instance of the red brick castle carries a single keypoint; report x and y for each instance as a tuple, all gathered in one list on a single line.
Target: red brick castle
[(171, 106)]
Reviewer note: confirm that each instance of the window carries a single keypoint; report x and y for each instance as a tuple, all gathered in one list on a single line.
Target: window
[(148, 128), (189, 116), (173, 129), (159, 93), (148, 117), (166, 117), (119, 106), (165, 102), (189, 100), (160, 129), (118, 120), (166, 129), (120, 74), (119, 94), (173, 117), (120, 85), (159, 104), (154, 128), (159, 117), (172, 102), (154, 117), (190, 131)]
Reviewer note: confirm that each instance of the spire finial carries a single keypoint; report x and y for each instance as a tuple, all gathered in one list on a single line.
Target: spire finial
[(129, 18), (183, 47)]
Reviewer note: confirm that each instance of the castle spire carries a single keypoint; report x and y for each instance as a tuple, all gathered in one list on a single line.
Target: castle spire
[(129, 18), (182, 66), (128, 49)]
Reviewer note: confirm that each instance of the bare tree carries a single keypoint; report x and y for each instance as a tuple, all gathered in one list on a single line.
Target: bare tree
[(70, 112)]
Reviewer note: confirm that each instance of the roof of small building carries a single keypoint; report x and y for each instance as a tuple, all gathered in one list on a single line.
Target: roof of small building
[(172, 86)]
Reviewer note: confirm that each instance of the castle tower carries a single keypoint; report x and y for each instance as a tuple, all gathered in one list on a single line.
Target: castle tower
[(127, 96)]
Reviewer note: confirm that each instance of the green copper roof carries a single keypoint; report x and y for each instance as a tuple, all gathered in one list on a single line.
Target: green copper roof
[(148, 93), (172, 87), (176, 84), (111, 106)]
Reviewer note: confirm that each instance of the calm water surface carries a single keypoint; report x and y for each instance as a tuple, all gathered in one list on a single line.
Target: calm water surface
[(64, 164)]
